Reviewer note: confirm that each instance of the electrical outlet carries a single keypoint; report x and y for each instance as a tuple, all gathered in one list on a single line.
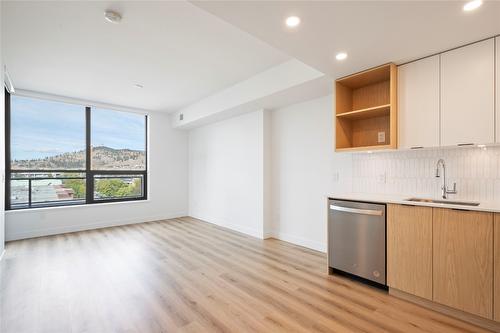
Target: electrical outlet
[(381, 137)]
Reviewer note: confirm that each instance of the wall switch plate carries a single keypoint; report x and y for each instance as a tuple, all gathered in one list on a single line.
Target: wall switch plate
[(181, 116), (381, 137)]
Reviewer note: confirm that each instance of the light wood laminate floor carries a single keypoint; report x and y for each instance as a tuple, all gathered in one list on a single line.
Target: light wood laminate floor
[(184, 275)]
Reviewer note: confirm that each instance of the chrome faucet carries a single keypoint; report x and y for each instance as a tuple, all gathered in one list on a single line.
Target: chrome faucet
[(445, 190)]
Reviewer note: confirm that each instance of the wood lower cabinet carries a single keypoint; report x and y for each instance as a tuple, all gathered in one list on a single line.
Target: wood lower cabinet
[(463, 260), (496, 264), (409, 249)]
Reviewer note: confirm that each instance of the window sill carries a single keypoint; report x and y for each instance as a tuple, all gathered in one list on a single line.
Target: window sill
[(28, 210)]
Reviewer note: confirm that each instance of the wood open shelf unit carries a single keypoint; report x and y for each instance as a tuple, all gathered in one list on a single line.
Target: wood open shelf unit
[(366, 105)]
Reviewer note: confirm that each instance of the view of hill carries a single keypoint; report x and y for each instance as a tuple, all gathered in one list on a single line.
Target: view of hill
[(103, 158)]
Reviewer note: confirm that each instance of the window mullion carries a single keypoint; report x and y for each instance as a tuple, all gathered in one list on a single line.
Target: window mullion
[(89, 193)]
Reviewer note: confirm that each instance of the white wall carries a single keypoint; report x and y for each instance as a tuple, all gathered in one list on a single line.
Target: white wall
[(304, 171), (167, 193), (226, 173), (267, 184), (268, 173)]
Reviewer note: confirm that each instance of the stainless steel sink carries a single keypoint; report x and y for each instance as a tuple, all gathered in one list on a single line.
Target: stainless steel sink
[(449, 202)]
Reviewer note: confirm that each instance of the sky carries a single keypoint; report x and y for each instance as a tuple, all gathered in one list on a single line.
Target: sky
[(41, 128)]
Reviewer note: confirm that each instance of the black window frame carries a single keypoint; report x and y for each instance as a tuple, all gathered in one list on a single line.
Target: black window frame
[(90, 174)]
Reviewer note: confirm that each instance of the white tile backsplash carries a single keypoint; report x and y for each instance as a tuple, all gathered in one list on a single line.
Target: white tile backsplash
[(412, 173)]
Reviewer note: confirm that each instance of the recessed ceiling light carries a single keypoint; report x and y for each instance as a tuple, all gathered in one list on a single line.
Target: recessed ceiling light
[(137, 85), (341, 56), (292, 21), (471, 5), (112, 16)]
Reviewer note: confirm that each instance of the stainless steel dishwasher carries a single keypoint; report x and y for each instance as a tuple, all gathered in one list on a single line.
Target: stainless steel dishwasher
[(357, 238)]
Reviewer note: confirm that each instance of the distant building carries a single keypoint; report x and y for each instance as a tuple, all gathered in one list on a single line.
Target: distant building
[(42, 190)]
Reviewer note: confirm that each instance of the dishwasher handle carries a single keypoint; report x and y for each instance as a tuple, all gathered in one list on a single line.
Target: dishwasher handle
[(357, 210)]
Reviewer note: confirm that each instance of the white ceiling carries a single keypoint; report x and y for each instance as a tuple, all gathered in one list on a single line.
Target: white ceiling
[(183, 52), (179, 52), (371, 32)]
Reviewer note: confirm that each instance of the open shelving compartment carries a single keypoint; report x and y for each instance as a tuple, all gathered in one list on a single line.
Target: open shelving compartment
[(366, 110)]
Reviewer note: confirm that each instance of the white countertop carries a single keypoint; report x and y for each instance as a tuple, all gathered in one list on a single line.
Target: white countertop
[(493, 207)]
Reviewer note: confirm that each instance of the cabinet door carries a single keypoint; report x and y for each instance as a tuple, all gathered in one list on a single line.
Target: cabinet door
[(409, 249), (467, 94), (496, 264), (463, 260), (418, 104)]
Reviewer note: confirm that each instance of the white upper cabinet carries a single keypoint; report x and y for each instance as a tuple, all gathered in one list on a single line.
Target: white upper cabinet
[(418, 94), (467, 94), (498, 88)]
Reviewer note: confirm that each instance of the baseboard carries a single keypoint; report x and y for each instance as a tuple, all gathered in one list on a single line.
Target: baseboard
[(268, 234), (89, 226), (464, 316), (236, 227), (311, 244)]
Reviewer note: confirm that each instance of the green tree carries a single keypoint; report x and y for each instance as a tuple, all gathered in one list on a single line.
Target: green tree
[(110, 187), (136, 187), (118, 188), (77, 185)]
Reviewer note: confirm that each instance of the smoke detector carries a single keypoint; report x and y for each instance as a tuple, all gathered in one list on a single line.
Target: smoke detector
[(112, 16)]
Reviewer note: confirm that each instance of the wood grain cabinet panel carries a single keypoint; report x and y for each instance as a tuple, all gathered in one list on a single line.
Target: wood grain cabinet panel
[(409, 249), (496, 266), (463, 260), (366, 110)]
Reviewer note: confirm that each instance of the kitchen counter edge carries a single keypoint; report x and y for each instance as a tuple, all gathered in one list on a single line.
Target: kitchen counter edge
[(492, 207)]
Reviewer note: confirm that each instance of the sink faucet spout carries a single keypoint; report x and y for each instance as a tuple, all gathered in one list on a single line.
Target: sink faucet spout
[(444, 188)]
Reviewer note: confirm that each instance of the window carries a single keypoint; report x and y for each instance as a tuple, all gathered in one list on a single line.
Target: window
[(118, 186), (64, 154), (46, 135), (118, 140)]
